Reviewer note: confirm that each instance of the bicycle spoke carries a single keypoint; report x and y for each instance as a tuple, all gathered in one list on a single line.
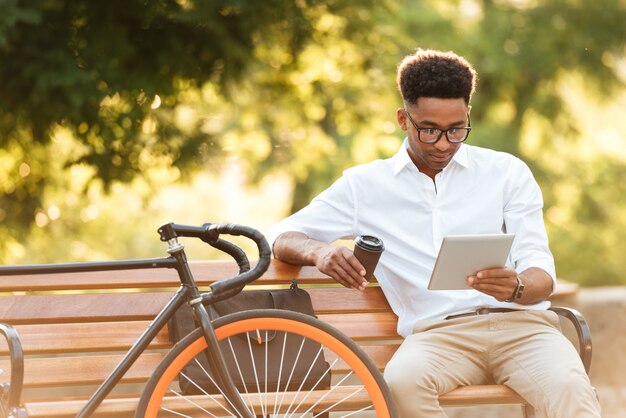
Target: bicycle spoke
[(243, 382), (191, 402), (314, 386), (293, 369), (332, 388), (256, 377), (204, 391), (291, 411), (369, 407), (308, 372), (340, 401), (266, 347), (304, 381), (280, 373)]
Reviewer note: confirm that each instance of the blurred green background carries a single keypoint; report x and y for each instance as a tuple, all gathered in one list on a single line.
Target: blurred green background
[(118, 116)]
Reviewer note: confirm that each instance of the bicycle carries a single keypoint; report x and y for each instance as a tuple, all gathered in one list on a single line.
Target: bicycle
[(360, 388)]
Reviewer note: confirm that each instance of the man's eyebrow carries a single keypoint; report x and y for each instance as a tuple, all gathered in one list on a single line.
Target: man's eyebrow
[(435, 124)]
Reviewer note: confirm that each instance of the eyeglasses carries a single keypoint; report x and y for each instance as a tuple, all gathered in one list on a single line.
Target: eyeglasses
[(432, 135)]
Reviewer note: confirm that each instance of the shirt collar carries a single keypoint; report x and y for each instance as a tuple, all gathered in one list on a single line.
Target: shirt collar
[(402, 159)]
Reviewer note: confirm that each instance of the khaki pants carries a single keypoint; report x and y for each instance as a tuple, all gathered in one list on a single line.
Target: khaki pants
[(524, 350)]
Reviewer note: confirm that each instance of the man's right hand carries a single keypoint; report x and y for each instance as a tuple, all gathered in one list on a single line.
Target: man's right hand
[(341, 264), (336, 262)]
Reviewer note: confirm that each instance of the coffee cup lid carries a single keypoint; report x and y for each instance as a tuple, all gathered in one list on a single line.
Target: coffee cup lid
[(370, 242)]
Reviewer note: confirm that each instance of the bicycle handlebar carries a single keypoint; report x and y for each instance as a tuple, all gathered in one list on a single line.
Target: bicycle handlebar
[(210, 233)]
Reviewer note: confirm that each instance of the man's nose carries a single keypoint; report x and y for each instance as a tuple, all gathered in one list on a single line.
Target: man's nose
[(443, 144)]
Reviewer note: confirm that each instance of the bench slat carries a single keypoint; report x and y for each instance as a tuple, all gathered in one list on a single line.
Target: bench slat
[(365, 326), (85, 370), (87, 337), (124, 407), (110, 408), (51, 309), (54, 309), (110, 336), (481, 395), (205, 273)]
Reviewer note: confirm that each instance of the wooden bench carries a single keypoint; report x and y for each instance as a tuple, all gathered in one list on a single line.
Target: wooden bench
[(74, 328)]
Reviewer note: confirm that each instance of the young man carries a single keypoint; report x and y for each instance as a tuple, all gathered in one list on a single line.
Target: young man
[(436, 185)]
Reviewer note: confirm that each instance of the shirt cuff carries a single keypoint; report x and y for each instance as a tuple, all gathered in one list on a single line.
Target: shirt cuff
[(544, 264)]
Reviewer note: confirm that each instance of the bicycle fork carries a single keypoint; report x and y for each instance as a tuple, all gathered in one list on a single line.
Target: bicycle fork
[(213, 353), (217, 364)]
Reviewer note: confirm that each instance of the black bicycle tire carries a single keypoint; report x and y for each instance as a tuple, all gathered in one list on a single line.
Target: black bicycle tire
[(273, 313)]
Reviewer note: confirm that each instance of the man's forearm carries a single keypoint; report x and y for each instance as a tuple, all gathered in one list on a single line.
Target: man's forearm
[(501, 283), (537, 285), (297, 248), (338, 262)]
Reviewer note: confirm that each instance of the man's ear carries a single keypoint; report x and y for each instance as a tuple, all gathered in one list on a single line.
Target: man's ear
[(402, 120)]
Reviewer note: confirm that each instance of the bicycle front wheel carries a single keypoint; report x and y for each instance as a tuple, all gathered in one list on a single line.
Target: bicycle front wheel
[(353, 386)]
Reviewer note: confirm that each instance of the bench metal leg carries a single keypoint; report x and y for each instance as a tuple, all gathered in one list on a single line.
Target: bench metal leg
[(11, 393)]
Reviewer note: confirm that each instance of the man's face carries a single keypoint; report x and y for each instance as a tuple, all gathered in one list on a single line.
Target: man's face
[(432, 112)]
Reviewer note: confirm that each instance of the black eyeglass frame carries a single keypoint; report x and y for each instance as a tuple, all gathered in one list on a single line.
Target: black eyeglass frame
[(441, 131)]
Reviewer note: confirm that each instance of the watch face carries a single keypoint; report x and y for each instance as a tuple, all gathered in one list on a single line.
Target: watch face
[(517, 293), (520, 289)]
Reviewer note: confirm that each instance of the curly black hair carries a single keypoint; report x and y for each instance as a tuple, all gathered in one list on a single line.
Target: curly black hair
[(431, 73)]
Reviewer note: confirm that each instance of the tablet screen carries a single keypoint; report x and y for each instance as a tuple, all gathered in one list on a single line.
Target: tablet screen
[(464, 255)]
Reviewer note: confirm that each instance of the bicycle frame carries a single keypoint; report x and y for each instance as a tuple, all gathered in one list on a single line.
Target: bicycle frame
[(188, 292)]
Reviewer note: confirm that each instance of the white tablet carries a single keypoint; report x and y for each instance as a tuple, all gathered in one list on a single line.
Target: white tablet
[(464, 255)]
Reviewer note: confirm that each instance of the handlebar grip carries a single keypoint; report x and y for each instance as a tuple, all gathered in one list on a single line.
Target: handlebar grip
[(242, 279), (234, 251), (210, 233), (228, 247), (171, 231)]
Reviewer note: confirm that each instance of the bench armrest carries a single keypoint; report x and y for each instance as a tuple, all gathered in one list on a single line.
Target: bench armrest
[(582, 329), (16, 355)]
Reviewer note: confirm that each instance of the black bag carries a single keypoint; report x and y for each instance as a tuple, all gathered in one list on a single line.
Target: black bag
[(293, 299)]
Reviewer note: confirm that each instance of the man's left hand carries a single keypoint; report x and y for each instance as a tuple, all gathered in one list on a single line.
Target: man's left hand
[(499, 282)]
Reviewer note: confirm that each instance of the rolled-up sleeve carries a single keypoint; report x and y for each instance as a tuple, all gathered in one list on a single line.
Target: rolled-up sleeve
[(523, 216), (330, 216)]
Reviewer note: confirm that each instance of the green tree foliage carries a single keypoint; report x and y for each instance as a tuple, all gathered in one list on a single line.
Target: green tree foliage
[(111, 73), (153, 91)]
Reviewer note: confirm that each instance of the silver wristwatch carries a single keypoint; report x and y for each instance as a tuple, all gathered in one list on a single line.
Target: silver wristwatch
[(517, 293)]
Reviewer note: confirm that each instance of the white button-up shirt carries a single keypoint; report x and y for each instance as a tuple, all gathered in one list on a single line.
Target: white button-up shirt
[(481, 191)]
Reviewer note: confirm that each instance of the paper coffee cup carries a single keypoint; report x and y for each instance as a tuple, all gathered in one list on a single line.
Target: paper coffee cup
[(367, 249)]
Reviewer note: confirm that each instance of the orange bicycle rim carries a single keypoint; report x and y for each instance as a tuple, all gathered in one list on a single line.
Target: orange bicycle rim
[(278, 324)]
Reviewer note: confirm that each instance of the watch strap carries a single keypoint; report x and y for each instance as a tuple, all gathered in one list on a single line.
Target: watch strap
[(518, 292)]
